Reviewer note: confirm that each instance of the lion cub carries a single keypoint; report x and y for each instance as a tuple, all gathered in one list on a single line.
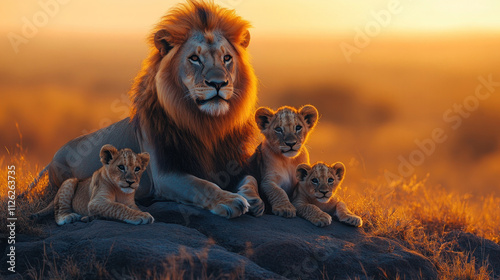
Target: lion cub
[(315, 196), (283, 148), (109, 193)]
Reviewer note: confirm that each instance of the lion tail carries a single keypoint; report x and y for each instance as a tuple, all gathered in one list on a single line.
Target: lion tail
[(34, 183)]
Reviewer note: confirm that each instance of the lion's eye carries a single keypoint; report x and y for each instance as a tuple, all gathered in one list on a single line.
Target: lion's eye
[(227, 58), (315, 181), (194, 58), (330, 180), (121, 167), (298, 128), (278, 130), (137, 169)]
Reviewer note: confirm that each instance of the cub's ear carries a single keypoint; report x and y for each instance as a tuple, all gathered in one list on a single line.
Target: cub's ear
[(338, 169), (310, 115), (145, 159), (302, 171), (108, 152), (245, 41), (263, 116), (161, 42)]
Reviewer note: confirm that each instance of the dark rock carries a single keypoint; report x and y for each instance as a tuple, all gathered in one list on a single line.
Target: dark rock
[(192, 239)]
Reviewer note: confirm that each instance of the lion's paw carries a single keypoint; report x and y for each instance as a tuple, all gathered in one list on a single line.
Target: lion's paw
[(353, 220), (88, 219), (256, 204), (68, 218), (285, 209), (321, 220), (230, 205), (141, 219), (257, 207)]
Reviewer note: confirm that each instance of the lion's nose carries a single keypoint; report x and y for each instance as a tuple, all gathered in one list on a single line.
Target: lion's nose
[(129, 182), (291, 144), (323, 192), (216, 84)]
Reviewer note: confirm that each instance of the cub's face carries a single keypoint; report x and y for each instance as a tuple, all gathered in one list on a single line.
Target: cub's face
[(124, 167), (287, 129), (320, 181)]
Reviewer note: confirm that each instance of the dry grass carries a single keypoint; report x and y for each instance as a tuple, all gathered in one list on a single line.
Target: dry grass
[(413, 213), (420, 217), (33, 201)]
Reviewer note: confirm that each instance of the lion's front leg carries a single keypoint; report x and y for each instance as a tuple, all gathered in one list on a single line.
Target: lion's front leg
[(346, 216), (249, 189), (191, 190), (278, 198)]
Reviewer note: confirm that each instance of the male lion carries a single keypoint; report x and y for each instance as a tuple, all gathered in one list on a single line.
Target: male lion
[(192, 111)]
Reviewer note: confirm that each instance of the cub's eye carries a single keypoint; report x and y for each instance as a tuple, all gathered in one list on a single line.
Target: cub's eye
[(298, 128), (194, 58), (330, 180), (278, 130), (121, 167), (137, 169), (315, 181), (227, 58)]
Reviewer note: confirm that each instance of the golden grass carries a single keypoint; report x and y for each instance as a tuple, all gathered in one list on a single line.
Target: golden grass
[(420, 216), (413, 213), (25, 173)]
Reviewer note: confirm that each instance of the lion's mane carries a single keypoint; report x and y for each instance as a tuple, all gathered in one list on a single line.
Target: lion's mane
[(186, 139)]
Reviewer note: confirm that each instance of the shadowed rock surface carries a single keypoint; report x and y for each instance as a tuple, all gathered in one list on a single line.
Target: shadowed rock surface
[(192, 239)]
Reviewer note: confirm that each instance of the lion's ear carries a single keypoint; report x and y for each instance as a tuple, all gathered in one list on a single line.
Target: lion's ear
[(108, 152), (145, 159), (302, 171), (338, 169), (245, 39), (310, 114), (263, 116), (161, 42)]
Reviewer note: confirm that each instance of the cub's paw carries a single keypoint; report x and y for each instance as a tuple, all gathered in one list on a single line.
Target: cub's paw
[(88, 219), (230, 205), (353, 220), (141, 219), (251, 194), (257, 206), (321, 220), (285, 209), (68, 218)]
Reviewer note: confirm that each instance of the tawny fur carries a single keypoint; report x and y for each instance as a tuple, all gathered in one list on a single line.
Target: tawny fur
[(190, 148), (109, 193), (286, 132), (198, 157), (315, 196)]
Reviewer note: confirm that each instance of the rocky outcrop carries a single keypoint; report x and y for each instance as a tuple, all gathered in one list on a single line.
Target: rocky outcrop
[(192, 240)]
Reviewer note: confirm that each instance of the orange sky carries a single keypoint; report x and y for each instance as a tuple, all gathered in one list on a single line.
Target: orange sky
[(268, 17)]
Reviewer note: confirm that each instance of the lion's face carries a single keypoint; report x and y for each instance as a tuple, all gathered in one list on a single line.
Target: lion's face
[(320, 181), (208, 71), (124, 167), (286, 130)]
